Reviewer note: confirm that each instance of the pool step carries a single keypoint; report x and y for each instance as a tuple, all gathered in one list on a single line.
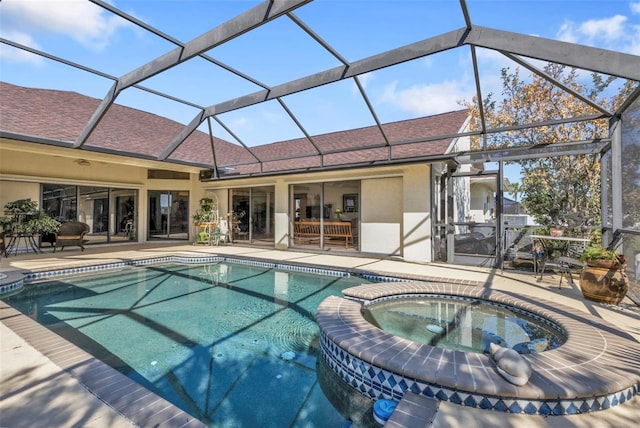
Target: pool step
[(413, 411)]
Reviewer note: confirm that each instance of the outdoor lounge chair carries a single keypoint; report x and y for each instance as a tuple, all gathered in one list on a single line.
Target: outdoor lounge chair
[(71, 234)]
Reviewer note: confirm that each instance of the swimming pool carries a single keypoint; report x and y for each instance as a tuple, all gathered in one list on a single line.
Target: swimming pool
[(231, 344)]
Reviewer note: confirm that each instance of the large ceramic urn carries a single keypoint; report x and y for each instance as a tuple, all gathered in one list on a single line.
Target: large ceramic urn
[(604, 281)]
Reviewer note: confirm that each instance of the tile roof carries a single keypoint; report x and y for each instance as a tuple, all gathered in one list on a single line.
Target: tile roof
[(61, 116)]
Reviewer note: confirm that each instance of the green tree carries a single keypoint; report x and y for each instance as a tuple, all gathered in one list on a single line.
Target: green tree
[(514, 189), (563, 190), (631, 168)]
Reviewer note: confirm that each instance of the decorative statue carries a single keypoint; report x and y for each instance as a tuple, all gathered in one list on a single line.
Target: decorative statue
[(511, 365)]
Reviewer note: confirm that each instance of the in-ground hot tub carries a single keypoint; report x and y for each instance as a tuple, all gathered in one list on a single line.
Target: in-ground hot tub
[(463, 324), (596, 368)]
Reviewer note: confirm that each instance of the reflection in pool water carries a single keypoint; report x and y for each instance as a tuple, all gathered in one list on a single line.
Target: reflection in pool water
[(467, 324), (232, 344)]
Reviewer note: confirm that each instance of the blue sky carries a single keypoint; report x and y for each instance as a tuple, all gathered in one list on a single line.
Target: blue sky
[(280, 51)]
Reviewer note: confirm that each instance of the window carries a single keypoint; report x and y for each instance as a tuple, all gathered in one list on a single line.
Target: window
[(350, 203)]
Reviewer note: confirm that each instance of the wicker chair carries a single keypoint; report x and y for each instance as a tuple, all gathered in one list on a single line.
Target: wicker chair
[(3, 247), (71, 234)]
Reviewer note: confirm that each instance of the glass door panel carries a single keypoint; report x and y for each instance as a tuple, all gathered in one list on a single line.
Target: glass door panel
[(125, 214), (240, 206), (179, 215), (94, 211), (168, 215), (306, 206), (60, 202), (262, 214)]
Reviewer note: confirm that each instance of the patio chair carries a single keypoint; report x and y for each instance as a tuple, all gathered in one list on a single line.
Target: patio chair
[(571, 260), (562, 258), (3, 246), (71, 234)]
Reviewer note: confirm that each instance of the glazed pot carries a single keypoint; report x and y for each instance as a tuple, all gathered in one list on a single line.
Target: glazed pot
[(603, 284)]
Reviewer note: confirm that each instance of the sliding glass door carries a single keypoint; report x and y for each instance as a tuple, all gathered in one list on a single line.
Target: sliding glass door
[(168, 215), (262, 214), (253, 215), (110, 213), (326, 215)]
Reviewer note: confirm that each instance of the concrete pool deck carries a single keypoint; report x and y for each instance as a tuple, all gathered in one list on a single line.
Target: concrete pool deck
[(38, 387)]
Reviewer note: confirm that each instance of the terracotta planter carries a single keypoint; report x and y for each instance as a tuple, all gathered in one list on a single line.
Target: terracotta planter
[(603, 284), (604, 264)]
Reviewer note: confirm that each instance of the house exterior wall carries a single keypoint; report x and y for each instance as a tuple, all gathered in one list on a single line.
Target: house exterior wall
[(24, 166), (393, 201), (13, 190), (417, 213), (282, 219), (381, 221), (482, 202)]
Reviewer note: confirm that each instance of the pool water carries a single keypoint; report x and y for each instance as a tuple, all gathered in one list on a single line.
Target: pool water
[(234, 345), (464, 324)]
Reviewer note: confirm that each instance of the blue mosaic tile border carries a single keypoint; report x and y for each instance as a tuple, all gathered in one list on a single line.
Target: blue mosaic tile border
[(377, 383), (36, 276), (10, 286), (381, 278)]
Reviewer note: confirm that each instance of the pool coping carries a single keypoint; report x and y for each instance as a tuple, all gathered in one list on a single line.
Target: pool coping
[(597, 367), (130, 399), (12, 281)]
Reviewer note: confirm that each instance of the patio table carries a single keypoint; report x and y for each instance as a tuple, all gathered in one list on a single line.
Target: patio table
[(550, 256)]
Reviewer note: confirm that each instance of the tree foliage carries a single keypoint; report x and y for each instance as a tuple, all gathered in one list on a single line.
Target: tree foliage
[(556, 191), (631, 167)]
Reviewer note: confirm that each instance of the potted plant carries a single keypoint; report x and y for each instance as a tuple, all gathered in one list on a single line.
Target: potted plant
[(41, 223), (597, 256), (206, 217), (603, 277), (20, 207), (206, 213), (24, 217), (6, 224)]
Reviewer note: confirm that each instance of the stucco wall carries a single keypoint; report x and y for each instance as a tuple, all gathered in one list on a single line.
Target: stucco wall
[(14, 190), (49, 167), (417, 213), (394, 205), (381, 219), (22, 171)]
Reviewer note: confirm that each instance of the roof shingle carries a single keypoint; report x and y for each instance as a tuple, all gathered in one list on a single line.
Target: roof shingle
[(62, 115)]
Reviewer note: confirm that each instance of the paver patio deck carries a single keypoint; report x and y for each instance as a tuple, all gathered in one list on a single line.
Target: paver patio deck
[(38, 387)]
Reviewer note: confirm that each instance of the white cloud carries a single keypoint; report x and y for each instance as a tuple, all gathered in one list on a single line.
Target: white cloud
[(567, 32), (81, 20), (608, 29), (635, 8), (615, 33), (428, 62), (240, 122), (366, 78), (11, 54), (425, 99)]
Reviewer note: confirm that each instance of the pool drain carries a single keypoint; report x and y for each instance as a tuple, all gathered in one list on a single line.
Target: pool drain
[(288, 356)]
